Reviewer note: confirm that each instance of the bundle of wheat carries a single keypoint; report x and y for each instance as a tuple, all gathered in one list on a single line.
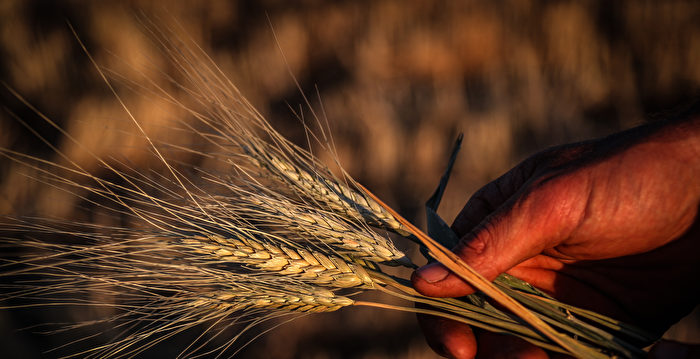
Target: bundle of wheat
[(278, 234)]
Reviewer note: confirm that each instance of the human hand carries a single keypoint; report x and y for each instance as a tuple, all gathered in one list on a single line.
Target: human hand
[(609, 225)]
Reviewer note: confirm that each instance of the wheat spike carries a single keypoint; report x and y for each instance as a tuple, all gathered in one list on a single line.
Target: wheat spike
[(308, 224), (305, 264), (331, 193), (294, 300)]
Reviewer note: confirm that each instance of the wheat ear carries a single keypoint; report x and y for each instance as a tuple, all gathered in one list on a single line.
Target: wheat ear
[(321, 188), (305, 223), (299, 262), (298, 299)]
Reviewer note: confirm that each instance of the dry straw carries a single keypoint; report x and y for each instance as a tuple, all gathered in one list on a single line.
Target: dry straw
[(279, 234)]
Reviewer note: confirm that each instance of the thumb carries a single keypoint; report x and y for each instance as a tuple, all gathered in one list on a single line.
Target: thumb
[(485, 250), (533, 220)]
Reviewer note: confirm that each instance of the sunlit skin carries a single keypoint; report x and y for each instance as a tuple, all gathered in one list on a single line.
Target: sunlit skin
[(609, 224)]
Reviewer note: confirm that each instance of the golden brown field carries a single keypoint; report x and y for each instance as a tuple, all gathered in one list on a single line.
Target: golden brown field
[(399, 80)]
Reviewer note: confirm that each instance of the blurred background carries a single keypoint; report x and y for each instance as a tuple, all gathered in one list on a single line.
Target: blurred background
[(398, 80)]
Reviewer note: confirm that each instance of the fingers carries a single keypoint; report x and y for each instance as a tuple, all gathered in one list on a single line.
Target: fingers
[(448, 338)]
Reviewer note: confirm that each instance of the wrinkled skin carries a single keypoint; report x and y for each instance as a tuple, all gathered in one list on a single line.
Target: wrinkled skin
[(609, 224)]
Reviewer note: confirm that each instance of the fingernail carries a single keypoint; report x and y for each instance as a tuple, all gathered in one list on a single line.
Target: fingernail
[(433, 272)]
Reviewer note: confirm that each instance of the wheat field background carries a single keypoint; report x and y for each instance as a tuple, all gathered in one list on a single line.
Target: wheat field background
[(398, 80)]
